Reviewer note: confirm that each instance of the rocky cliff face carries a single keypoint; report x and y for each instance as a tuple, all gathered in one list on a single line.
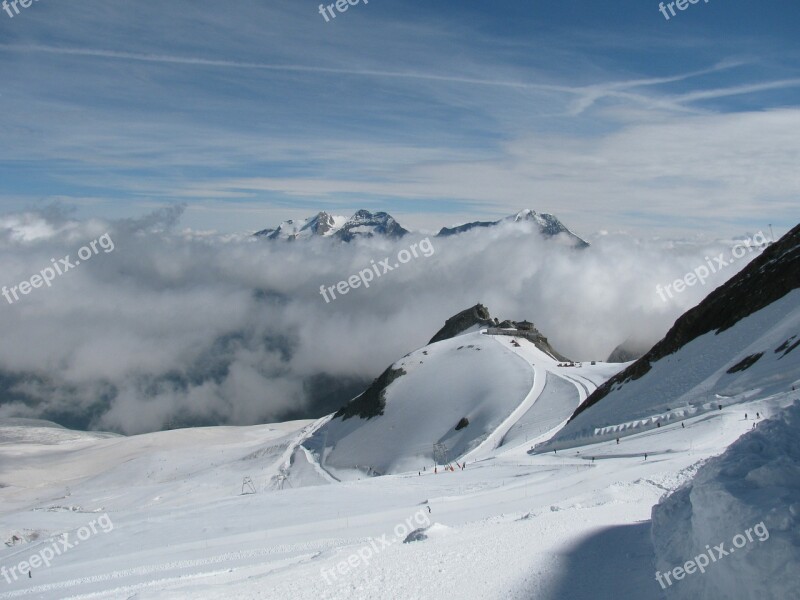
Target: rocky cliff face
[(627, 351)]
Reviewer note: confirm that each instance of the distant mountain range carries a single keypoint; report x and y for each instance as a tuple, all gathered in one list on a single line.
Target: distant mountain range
[(362, 224), (365, 224)]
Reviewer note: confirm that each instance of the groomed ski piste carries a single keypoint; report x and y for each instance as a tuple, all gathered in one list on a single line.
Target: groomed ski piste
[(260, 512), (509, 390)]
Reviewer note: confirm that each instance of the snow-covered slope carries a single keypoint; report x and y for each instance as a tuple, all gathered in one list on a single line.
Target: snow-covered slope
[(560, 526), (504, 387), (551, 527), (165, 465), (709, 372), (37, 431)]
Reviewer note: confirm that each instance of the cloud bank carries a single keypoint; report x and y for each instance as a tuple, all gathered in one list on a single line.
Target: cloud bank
[(177, 328)]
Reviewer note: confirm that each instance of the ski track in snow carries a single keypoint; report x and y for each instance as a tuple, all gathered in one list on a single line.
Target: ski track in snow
[(494, 439), (154, 569)]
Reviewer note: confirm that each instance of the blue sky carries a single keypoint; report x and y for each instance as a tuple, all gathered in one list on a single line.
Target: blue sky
[(249, 113)]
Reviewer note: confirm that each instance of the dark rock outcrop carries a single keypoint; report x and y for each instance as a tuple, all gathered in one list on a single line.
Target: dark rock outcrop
[(373, 401), (476, 315)]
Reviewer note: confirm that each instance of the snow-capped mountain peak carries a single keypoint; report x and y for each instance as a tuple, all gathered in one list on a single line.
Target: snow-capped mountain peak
[(322, 225), (362, 224), (367, 224), (547, 224)]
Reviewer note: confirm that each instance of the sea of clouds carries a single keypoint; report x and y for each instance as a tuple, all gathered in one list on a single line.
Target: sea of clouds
[(177, 328)]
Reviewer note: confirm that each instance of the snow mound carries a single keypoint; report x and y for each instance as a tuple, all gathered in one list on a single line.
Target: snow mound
[(37, 431), (423, 533), (748, 499)]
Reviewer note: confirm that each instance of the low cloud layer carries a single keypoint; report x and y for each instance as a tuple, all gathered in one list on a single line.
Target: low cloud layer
[(176, 328)]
